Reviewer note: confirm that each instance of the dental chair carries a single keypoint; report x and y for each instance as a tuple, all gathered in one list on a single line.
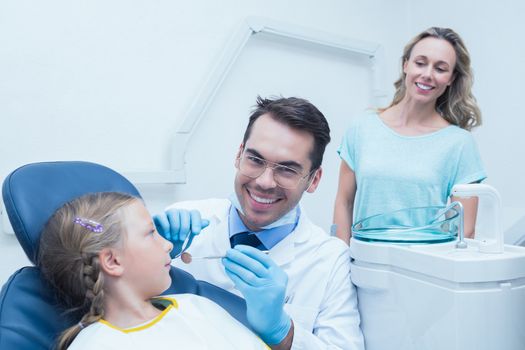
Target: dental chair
[(31, 316)]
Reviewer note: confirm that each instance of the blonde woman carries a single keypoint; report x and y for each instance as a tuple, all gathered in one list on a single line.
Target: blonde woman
[(411, 153)]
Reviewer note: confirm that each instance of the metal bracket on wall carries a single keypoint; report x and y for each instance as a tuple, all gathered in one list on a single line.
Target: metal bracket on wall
[(204, 97)]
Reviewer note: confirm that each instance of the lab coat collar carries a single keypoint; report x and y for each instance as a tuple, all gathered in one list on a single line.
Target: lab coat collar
[(284, 252), (220, 241), (270, 236)]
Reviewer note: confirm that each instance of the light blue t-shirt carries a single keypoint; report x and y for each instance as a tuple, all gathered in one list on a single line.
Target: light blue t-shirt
[(395, 171)]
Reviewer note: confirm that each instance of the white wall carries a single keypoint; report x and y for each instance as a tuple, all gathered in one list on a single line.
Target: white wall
[(110, 81)]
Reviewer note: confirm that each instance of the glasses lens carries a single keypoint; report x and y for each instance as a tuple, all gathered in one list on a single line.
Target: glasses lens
[(252, 166), (286, 177)]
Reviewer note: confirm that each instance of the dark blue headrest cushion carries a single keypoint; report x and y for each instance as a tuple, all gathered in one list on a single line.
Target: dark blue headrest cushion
[(32, 193)]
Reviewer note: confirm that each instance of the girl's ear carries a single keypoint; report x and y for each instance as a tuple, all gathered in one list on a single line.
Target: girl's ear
[(110, 262)]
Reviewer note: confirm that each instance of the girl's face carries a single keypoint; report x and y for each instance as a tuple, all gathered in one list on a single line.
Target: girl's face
[(145, 253), (429, 69)]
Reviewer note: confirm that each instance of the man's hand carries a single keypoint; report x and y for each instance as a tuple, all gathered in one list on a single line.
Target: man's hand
[(176, 224), (263, 285)]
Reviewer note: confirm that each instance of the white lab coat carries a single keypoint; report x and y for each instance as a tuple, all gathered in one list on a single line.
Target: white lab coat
[(320, 298)]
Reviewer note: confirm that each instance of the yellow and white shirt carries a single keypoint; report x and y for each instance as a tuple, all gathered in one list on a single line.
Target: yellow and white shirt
[(188, 322)]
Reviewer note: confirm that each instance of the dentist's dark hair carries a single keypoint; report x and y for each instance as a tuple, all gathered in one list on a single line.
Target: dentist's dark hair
[(299, 114), (69, 254), (457, 104)]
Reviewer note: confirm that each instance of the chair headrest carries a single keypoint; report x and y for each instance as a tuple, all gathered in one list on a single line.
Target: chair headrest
[(33, 192)]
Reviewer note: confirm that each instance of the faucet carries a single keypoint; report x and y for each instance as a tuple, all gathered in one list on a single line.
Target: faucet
[(461, 244), (490, 236)]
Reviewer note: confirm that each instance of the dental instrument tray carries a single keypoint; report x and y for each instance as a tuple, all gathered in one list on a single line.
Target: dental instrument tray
[(433, 224)]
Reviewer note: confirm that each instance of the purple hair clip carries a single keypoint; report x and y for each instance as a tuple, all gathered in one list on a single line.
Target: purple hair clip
[(91, 225)]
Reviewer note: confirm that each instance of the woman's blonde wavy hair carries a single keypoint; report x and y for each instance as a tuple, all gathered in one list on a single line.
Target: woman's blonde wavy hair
[(69, 254), (457, 104)]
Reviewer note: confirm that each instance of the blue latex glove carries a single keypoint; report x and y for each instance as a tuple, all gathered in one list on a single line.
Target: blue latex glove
[(263, 285), (176, 224)]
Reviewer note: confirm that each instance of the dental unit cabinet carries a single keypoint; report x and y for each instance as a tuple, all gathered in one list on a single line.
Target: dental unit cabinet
[(437, 296)]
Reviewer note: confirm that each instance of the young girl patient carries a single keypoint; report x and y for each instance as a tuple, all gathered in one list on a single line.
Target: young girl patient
[(103, 255)]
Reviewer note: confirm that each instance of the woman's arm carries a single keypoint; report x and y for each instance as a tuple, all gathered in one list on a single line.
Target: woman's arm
[(344, 202), (470, 211)]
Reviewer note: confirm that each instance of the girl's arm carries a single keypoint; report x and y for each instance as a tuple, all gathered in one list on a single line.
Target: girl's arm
[(344, 202)]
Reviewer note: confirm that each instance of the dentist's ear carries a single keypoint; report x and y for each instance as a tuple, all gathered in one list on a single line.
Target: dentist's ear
[(314, 181), (110, 262), (238, 156)]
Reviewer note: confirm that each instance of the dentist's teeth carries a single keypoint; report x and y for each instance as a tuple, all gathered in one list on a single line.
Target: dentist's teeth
[(423, 87), (263, 200)]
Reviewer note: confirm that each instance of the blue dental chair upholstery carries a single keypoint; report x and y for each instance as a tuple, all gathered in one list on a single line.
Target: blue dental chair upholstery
[(30, 315)]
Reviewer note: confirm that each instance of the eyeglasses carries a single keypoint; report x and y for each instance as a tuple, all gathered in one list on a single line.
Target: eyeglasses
[(285, 177)]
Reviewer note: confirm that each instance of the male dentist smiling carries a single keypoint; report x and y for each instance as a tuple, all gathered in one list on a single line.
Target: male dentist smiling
[(299, 295)]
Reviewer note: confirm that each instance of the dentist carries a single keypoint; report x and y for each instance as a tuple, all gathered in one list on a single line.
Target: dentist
[(298, 295)]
